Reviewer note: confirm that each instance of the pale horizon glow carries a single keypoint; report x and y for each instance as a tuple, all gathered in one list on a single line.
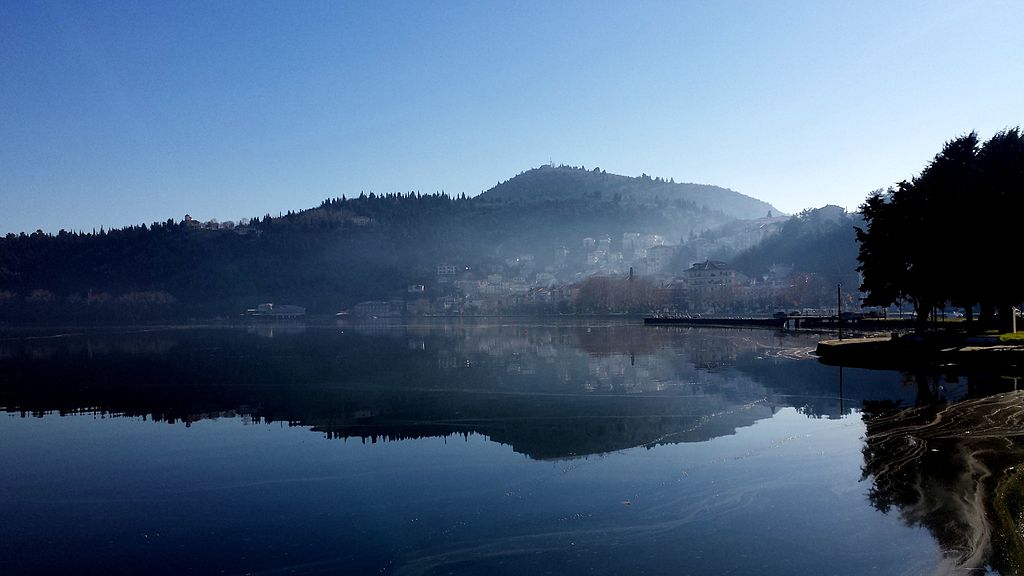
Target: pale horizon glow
[(121, 113)]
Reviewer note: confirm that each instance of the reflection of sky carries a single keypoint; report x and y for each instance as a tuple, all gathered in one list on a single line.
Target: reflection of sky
[(733, 466), (780, 497), (632, 359), (602, 387)]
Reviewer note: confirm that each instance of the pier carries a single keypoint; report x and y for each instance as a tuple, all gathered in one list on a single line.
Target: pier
[(788, 322), (734, 322)]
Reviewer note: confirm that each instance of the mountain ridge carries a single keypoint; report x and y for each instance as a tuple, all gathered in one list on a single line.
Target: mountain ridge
[(545, 228)]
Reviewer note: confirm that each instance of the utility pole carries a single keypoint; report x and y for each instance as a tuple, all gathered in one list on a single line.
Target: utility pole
[(841, 411), (839, 309)]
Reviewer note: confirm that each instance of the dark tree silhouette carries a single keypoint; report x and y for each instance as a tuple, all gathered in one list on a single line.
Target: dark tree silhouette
[(941, 237)]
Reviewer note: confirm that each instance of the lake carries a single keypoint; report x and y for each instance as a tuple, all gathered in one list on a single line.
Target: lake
[(494, 448)]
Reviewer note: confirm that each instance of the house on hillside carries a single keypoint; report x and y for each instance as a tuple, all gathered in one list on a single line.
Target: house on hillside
[(658, 258), (709, 276), (712, 286), (445, 273), (630, 244), (561, 257)]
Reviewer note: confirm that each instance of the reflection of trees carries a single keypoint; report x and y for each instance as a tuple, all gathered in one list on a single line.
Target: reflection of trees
[(549, 391), (955, 470)]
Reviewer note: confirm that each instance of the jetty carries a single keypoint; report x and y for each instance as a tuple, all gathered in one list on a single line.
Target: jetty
[(735, 322), (788, 322)]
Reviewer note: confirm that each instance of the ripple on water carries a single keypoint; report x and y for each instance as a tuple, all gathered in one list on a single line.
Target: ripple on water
[(955, 470)]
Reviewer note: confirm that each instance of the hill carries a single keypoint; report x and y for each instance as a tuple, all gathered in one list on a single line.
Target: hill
[(567, 183), (545, 228), (818, 241)]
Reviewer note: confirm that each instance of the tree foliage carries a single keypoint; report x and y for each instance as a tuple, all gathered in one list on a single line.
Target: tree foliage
[(942, 237)]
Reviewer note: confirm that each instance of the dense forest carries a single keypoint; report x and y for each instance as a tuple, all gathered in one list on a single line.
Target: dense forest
[(344, 251)]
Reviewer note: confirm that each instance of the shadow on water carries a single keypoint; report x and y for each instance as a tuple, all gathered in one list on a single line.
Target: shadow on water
[(954, 468)]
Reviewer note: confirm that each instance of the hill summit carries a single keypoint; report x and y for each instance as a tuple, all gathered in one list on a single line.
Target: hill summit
[(564, 183)]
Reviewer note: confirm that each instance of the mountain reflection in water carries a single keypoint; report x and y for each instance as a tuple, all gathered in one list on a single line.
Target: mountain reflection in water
[(551, 391), (951, 463), (955, 469)]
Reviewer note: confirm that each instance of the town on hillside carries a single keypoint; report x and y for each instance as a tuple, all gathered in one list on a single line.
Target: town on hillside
[(633, 273)]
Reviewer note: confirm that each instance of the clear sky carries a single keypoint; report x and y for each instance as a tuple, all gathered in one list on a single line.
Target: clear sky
[(118, 113)]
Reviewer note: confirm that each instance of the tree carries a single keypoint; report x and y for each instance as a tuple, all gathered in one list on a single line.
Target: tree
[(882, 262), (1000, 202), (937, 239), (945, 198)]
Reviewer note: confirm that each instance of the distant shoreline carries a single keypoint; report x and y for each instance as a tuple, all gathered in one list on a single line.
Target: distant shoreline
[(311, 321)]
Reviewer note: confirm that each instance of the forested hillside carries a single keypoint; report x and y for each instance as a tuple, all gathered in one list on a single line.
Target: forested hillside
[(564, 183), (348, 249), (820, 241)]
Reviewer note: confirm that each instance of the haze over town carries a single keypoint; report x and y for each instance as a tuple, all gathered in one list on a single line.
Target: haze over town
[(116, 115)]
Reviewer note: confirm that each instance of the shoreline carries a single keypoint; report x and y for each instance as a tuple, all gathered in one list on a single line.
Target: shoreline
[(916, 352)]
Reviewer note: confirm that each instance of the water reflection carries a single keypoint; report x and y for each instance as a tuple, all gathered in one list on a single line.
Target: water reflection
[(942, 451), (551, 391), (954, 468)]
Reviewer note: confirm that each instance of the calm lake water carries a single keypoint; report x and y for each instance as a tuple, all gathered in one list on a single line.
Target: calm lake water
[(490, 448)]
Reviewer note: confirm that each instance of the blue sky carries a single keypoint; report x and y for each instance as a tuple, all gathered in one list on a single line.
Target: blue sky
[(120, 113)]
